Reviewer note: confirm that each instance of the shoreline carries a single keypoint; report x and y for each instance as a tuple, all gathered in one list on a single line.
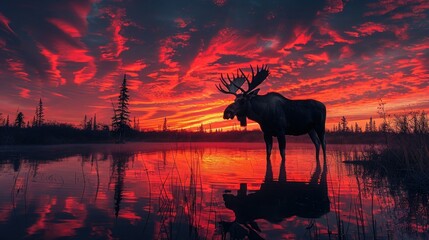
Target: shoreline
[(53, 135)]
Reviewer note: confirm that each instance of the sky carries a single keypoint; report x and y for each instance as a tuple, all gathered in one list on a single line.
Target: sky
[(349, 54)]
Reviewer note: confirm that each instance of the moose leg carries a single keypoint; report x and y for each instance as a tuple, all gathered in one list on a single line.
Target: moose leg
[(323, 179), (324, 149), (269, 146), (316, 141), (321, 135), (282, 147), (315, 176)]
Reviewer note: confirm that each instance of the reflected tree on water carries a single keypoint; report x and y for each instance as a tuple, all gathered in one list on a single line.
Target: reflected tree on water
[(119, 165)]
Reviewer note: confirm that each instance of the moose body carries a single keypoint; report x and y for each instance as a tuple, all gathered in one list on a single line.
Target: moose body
[(276, 115)]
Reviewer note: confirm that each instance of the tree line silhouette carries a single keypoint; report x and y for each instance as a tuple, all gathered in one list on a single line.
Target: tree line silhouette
[(412, 122)]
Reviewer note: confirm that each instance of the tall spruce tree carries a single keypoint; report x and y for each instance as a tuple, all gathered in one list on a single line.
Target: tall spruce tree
[(94, 125), (121, 118), (19, 121), (164, 126), (40, 114), (85, 122), (343, 122)]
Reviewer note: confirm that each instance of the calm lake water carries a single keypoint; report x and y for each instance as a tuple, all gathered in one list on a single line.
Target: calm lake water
[(199, 191)]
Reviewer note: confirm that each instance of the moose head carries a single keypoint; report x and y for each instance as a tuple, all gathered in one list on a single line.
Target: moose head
[(240, 105)]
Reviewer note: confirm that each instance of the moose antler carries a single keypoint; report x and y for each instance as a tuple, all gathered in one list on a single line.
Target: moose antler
[(237, 81), (261, 75), (233, 85)]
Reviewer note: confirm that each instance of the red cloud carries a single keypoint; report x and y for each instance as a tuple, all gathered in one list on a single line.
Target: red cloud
[(24, 92), (334, 6), (402, 15), (369, 28), (133, 69), (323, 57), (219, 3), (59, 95), (107, 81), (61, 52), (181, 23), (86, 73), (352, 34), (384, 7), (58, 49), (335, 37), (302, 37), (346, 52), (17, 67), (401, 32), (68, 53), (352, 67), (366, 29), (227, 42), (168, 48), (134, 84), (5, 22), (228, 51), (419, 47), (66, 27), (53, 61), (113, 50)]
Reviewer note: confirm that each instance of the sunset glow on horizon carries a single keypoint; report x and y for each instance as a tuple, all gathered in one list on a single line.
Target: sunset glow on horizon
[(74, 54)]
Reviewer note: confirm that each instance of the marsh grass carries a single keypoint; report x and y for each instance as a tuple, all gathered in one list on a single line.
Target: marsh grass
[(182, 204), (398, 170), (404, 156)]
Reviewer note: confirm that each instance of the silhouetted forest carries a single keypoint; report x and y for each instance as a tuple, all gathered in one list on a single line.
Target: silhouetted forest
[(51, 134), (40, 132), (65, 133)]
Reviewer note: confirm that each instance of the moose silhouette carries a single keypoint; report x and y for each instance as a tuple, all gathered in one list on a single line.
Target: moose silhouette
[(275, 201), (277, 116)]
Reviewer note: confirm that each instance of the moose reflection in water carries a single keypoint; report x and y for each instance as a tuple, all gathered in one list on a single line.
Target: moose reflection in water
[(275, 201), (276, 115)]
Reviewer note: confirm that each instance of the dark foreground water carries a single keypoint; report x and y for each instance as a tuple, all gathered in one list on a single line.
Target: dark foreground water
[(199, 191)]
